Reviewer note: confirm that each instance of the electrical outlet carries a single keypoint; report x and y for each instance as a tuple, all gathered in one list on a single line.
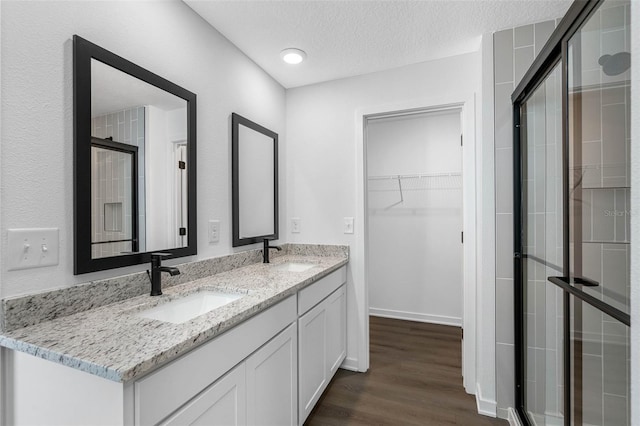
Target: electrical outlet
[(348, 225), (214, 231), (295, 225), (32, 248)]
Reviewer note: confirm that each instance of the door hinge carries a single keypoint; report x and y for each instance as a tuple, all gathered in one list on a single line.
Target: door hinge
[(460, 140), (182, 231), (462, 333), (182, 165), (462, 237)]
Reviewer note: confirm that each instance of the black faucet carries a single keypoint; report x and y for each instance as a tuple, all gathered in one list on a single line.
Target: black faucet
[(265, 250), (157, 269)]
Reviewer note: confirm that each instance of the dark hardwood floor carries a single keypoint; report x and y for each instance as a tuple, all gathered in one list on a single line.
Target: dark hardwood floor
[(414, 379)]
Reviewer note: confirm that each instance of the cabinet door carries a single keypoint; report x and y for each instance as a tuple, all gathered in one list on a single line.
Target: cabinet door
[(336, 307), (272, 381), (223, 403), (312, 336)]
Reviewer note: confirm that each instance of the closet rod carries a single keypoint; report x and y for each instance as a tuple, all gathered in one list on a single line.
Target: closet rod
[(416, 176)]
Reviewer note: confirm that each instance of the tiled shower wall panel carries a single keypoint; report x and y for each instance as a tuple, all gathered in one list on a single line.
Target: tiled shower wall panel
[(514, 51), (126, 126)]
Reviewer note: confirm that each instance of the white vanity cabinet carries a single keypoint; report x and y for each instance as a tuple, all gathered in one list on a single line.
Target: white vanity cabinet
[(259, 391), (268, 370), (321, 338), (248, 351)]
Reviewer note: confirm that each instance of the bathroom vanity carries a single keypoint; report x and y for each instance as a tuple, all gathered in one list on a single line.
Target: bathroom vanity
[(264, 357), (227, 341)]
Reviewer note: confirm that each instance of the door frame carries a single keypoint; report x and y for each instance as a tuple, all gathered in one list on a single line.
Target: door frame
[(467, 105)]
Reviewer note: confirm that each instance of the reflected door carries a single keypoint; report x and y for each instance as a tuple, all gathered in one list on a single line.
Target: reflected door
[(114, 207)]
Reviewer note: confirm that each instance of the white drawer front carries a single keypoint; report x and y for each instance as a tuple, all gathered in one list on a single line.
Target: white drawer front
[(310, 296)]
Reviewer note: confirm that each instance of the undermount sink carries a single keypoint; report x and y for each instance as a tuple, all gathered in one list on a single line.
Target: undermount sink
[(294, 266), (188, 307)]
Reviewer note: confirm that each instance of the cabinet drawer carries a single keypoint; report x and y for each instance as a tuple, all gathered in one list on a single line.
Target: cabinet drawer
[(310, 296), (162, 392)]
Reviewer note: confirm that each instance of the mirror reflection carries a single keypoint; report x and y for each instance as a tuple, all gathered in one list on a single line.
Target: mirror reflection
[(255, 182), (256, 190), (138, 165)]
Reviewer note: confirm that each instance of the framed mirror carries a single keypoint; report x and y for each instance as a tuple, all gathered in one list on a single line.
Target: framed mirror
[(134, 162), (254, 154)]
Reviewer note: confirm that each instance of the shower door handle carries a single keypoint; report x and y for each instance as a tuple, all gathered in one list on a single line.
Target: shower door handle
[(587, 282)]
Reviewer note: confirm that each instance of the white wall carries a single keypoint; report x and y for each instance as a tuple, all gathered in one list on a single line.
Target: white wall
[(635, 207), (2, 386), (321, 156), (415, 253), (486, 273), (166, 37)]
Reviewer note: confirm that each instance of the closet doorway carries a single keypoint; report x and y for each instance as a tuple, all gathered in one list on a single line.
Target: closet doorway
[(415, 215)]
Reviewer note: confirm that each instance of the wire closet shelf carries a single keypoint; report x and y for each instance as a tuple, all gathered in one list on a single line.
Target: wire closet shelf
[(415, 182)]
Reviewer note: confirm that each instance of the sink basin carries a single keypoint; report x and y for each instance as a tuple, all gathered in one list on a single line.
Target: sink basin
[(188, 307), (294, 266)]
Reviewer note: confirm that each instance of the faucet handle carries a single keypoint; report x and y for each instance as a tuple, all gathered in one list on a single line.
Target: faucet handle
[(160, 254), (156, 258)]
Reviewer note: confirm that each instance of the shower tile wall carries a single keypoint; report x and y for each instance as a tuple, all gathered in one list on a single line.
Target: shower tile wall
[(514, 51), (126, 126)]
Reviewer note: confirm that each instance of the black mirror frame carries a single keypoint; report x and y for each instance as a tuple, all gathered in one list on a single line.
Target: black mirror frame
[(83, 52), (236, 122)]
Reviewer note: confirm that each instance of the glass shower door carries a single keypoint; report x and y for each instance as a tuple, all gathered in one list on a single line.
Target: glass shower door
[(542, 217), (572, 240), (598, 105)]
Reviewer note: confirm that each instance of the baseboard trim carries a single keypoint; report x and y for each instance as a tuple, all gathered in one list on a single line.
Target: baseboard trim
[(415, 316), (512, 417), (350, 364), (486, 407)]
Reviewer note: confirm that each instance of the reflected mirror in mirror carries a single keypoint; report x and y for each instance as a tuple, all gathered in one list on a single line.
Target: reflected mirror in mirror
[(135, 162), (255, 182)]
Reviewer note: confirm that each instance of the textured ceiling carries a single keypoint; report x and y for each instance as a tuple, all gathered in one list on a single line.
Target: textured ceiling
[(350, 37)]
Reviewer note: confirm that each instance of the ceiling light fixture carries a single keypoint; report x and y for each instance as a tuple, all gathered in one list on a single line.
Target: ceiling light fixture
[(293, 56)]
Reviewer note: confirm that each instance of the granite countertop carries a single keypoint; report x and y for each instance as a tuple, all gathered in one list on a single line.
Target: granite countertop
[(113, 343)]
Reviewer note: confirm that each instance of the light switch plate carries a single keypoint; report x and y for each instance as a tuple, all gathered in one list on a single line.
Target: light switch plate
[(295, 225), (348, 225), (214, 231), (33, 248)]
